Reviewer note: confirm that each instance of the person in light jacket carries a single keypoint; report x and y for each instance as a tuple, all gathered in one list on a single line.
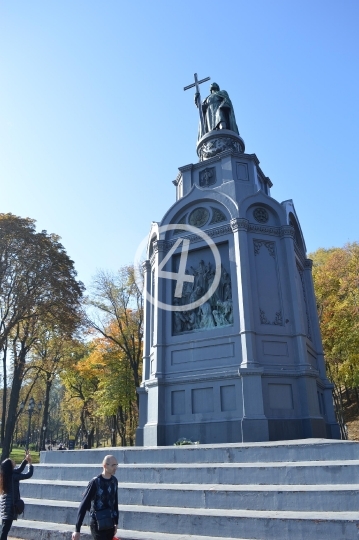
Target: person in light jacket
[(10, 476)]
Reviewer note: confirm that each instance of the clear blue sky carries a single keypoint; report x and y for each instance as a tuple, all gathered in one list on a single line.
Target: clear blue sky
[(94, 122)]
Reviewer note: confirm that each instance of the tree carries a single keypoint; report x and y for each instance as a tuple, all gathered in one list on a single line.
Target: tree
[(119, 304), (48, 357), (336, 283), (115, 395), (37, 284), (81, 382)]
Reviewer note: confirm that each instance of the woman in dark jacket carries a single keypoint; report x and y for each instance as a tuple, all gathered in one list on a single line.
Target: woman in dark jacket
[(10, 477)]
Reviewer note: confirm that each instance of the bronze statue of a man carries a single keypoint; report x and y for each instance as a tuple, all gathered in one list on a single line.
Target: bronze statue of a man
[(217, 110)]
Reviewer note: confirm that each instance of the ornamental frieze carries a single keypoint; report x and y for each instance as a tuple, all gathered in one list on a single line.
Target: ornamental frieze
[(239, 224), (265, 229), (278, 321), (269, 245), (287, 230)]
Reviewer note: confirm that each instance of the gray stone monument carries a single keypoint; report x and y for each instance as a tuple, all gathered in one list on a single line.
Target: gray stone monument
[(232, 347)]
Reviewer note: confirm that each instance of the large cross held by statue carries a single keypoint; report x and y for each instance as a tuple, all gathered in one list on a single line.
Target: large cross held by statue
[(199, 103)]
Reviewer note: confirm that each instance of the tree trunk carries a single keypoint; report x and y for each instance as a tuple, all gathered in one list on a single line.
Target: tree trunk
[(122, 426), (349, 401), (13, 403), (4, 396), (91, 437), (356, 396), (46, 411), (339, 412), (114, 420)]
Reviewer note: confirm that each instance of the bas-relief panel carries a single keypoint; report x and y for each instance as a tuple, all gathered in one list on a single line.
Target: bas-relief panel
[(217, 310), (207, 177), (268, 290)]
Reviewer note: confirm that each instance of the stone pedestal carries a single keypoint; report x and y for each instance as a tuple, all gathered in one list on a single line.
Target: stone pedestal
[(232, 348), (218, 141)]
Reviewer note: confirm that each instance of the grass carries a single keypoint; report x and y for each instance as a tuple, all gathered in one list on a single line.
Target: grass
[(18, 455)]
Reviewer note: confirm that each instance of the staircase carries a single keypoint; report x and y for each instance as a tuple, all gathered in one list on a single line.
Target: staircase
[(283, 490)]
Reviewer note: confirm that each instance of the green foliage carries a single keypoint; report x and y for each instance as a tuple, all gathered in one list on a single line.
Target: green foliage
[(336, 283), (37, 278), (18, 454), (87, 386), (38, 289), (118, 315), (184, 442)]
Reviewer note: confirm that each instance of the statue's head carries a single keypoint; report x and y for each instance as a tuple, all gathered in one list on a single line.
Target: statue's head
[(214, 87)]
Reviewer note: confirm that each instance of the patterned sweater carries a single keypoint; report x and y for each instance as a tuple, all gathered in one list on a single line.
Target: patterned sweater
[(101, 493), (7, 499)]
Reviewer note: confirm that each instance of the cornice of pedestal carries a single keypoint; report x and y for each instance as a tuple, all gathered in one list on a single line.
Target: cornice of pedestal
[(287, 230), (250, 369), (229, 374), (159, 246), (239, 224), (185, 168), (242, 224), (219, 157)]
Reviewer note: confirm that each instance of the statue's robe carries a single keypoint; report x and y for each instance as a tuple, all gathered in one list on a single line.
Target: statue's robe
[(217, 108)]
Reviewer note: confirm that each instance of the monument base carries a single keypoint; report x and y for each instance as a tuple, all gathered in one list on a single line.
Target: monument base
[(289, 490), (217, 141)]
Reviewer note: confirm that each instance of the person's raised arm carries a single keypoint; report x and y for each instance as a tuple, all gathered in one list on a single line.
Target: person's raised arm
[(28, 474)]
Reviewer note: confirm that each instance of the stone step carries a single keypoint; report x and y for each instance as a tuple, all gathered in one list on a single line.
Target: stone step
[(254, 497), (243, 491), (307, 498), (244, 523), (36, 530), (64, 490), (296, 450), (304, 472), (251, 524)]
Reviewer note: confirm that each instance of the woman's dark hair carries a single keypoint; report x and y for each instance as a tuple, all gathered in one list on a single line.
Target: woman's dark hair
[(6, 475)]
